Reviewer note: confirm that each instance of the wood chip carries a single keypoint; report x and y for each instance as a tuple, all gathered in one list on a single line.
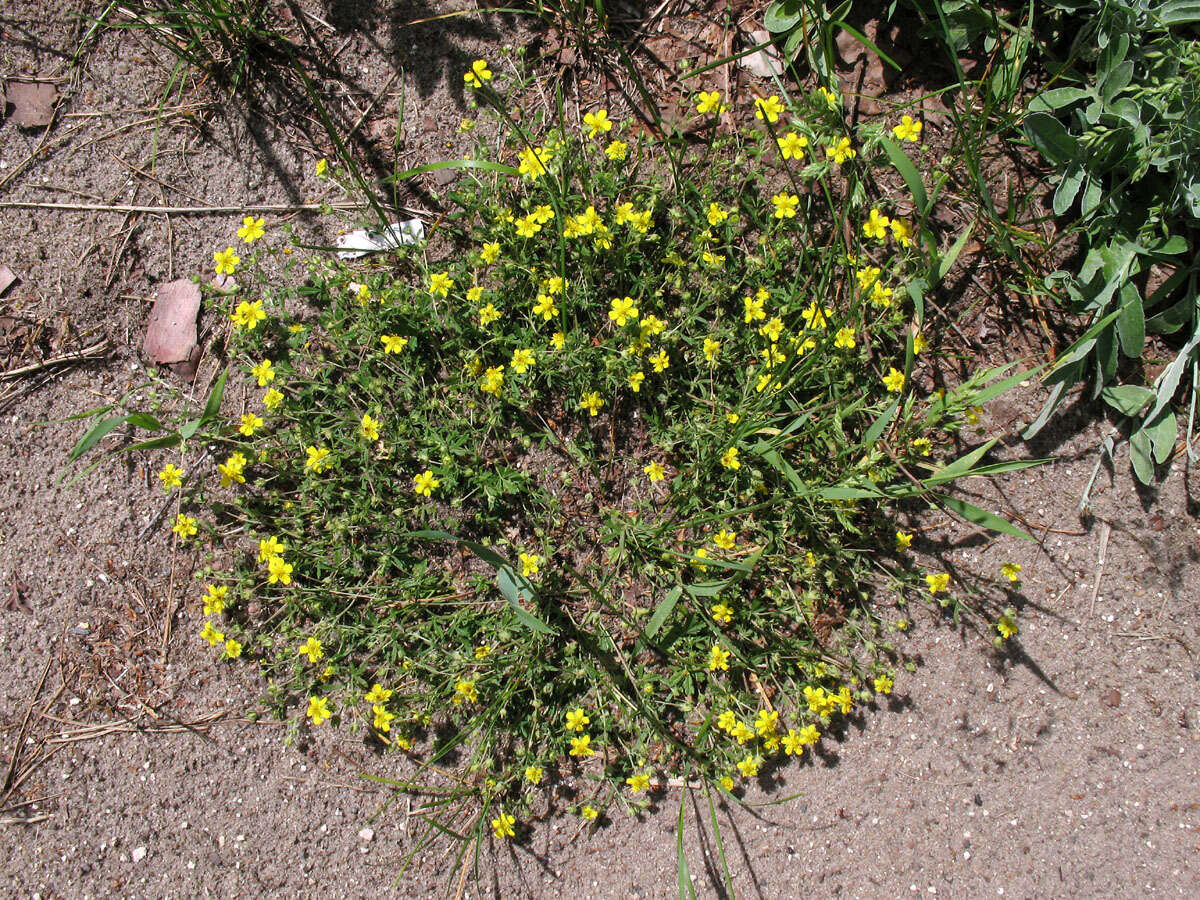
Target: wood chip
[(33, 103), (7, 279), (171, 331)]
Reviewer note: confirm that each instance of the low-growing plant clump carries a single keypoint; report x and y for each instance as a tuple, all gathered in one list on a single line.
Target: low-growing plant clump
[(602, 478)]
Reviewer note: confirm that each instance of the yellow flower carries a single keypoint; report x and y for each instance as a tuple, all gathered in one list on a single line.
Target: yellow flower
[(248, 315), (592, 402), (617, 150), (716, 215), (369, 427), (522, 360), (263, 372), (938, 583), (1007, 626), (577, 720), (534, 774), (635, 381), (318, 459), (876, 225), (269, 547), (527, 226), (883, 684), (709, 102), (729, 459), (532, 162), (233, 648), (171, 477), (622, 310), (766, 723), (474, 293), (816, 317), (830, 98), (732, 418), (492, 381), (502, 826), (908, 129), (318, 710), (589, 812), (558, 340), (785, 205), (764, 382), (321, 167), (465, 692), (753, 309), (725, 782), (210, 634), (185, 526), (700, 555), (712, 260), (638, 782), (840, 151), (425, 483), (770, 108), (902, 232), (923, 445), (721, 613), (881, 296), (554, 285), (440, 284), (655, 471), (466, 125), (844, 339), (477, 74), (660, 361), (545, 307), (312, 649), (214, 599), (866, 277), (490, 253), (904, 540), (378, 694), (529, 564), (919, 343), (542, 214), (382, 720), (725, 539), (772, 330), (597, 122), (488, 314), (226, 261), (582, 746), (749, 766), (393, 343), (250, 423), (1011, 571), (718, 658), (894, 380), (252, 229), (792, 145), (272, 399), (279, 571), (483, 651)]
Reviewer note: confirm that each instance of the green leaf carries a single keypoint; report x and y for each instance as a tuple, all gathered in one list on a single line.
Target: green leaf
[(978, 516), (960, 466), (1163, 432), (664, 609), (1068, 188), (189, 428), (1140, 455), (1128, 399), (212, 409), (517, 590), (943, 264), (880, 425), (485, 165), (1179, 12), (158, 443), (1131, 324), (1055, 99), (144, 420), (1050, 138), (93, 437), (908, 172), (781, 16)]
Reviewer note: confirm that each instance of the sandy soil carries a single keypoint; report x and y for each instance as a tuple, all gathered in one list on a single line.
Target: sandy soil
[(1067, 765)]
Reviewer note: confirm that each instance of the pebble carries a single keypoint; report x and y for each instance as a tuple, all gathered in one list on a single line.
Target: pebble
[(138, 854), (366, 834)]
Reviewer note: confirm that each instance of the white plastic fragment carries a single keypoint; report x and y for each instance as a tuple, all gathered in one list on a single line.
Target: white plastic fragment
[(361, 241)]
